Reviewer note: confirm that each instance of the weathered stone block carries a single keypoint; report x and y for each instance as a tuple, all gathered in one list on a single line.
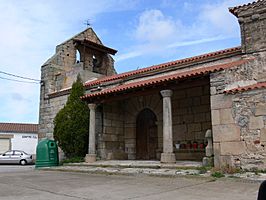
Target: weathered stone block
[(201, 109), (226, 116), (215, 117), (112, 145), (260, 109), (199, 135), (107, 122), (130, 132), (119, 155), (197, 101), (199, 117), (180, 128), (213, 90), (109, 130), (226, 133), (181, 111), (206, 89), (197, 91), (194, 127), (185, 103), (109, 137), (179, 94), (205, 126), (208, 116), (188, 118), (205, 100), (256, 122), (221, 101), (217, 153), (168, 158), (132, 156), (90, 158), (263, 134), (232, 148)]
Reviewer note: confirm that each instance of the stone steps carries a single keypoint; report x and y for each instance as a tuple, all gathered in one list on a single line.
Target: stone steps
[(132, 171), (139, 164)]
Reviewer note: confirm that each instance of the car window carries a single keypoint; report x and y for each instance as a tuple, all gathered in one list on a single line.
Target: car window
[(18, 153), (8, 153)]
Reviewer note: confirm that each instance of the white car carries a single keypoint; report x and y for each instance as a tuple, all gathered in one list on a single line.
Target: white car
[(16, 157)]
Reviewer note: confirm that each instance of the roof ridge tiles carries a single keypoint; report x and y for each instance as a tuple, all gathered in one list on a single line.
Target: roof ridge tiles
[(178, 75), (234, 10), (163, 65), (258, 85)]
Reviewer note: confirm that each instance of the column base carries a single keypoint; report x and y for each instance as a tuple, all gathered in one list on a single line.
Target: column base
[(168, 158), (90, 158)]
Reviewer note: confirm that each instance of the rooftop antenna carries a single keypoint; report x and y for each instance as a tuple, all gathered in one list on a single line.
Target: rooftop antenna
[(87, 23)]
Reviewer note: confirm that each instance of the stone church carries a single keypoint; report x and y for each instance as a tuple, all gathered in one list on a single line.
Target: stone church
[(162, 112)]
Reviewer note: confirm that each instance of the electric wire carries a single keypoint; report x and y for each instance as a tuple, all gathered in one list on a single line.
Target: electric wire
[(23, 77), (9, 79)]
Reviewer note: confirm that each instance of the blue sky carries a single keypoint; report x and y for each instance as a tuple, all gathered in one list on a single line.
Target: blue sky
[(145, 32)]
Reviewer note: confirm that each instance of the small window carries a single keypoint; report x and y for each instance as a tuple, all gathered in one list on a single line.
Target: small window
[(77, 56), (95, 61)]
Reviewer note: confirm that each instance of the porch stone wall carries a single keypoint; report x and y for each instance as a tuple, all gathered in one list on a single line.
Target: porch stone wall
[(112, 138), (238, 120), (132, 108), (191, 116), (191, 111)]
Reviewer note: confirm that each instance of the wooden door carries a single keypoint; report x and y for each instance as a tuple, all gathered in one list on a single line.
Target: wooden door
[(146, 135)]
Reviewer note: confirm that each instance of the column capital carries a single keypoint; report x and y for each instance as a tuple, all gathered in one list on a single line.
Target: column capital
[(92, 106), (166, 93)]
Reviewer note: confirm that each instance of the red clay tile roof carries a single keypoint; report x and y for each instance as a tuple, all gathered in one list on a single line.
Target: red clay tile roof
[(18, 128), (96, 46), (247, 88), (163, 79), (165, 65), (237, 9)]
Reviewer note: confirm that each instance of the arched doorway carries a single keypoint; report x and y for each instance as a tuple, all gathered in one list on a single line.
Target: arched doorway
[(146, 135)]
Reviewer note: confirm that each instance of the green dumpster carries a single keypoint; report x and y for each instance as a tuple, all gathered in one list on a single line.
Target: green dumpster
[(46, 153)]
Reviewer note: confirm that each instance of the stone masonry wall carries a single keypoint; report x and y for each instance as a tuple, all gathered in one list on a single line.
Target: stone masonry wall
[(253, 28), (191, 111), (237, 126), (112, 138), (191, 116), (249, 112), (48, 111)]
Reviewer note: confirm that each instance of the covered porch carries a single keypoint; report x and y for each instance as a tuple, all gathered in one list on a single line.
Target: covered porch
[(162, 116), (166, 122)]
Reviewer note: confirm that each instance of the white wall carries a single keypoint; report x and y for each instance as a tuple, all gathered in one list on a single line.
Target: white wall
[(24, 141)]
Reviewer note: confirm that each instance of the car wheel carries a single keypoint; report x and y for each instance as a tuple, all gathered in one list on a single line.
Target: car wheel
[(23, 162)]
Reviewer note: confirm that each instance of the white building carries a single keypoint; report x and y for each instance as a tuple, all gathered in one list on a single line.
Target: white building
[(17, 136)]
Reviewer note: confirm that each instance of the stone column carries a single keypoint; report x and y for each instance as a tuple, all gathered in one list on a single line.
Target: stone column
[(91, 156), (167, 156)]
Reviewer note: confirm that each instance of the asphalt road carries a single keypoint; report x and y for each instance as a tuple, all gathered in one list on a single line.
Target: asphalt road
[(24, 182), (15, 168)]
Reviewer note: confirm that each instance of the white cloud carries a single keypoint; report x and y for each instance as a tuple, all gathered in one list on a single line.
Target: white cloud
[(156, 29), (153, 27)]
